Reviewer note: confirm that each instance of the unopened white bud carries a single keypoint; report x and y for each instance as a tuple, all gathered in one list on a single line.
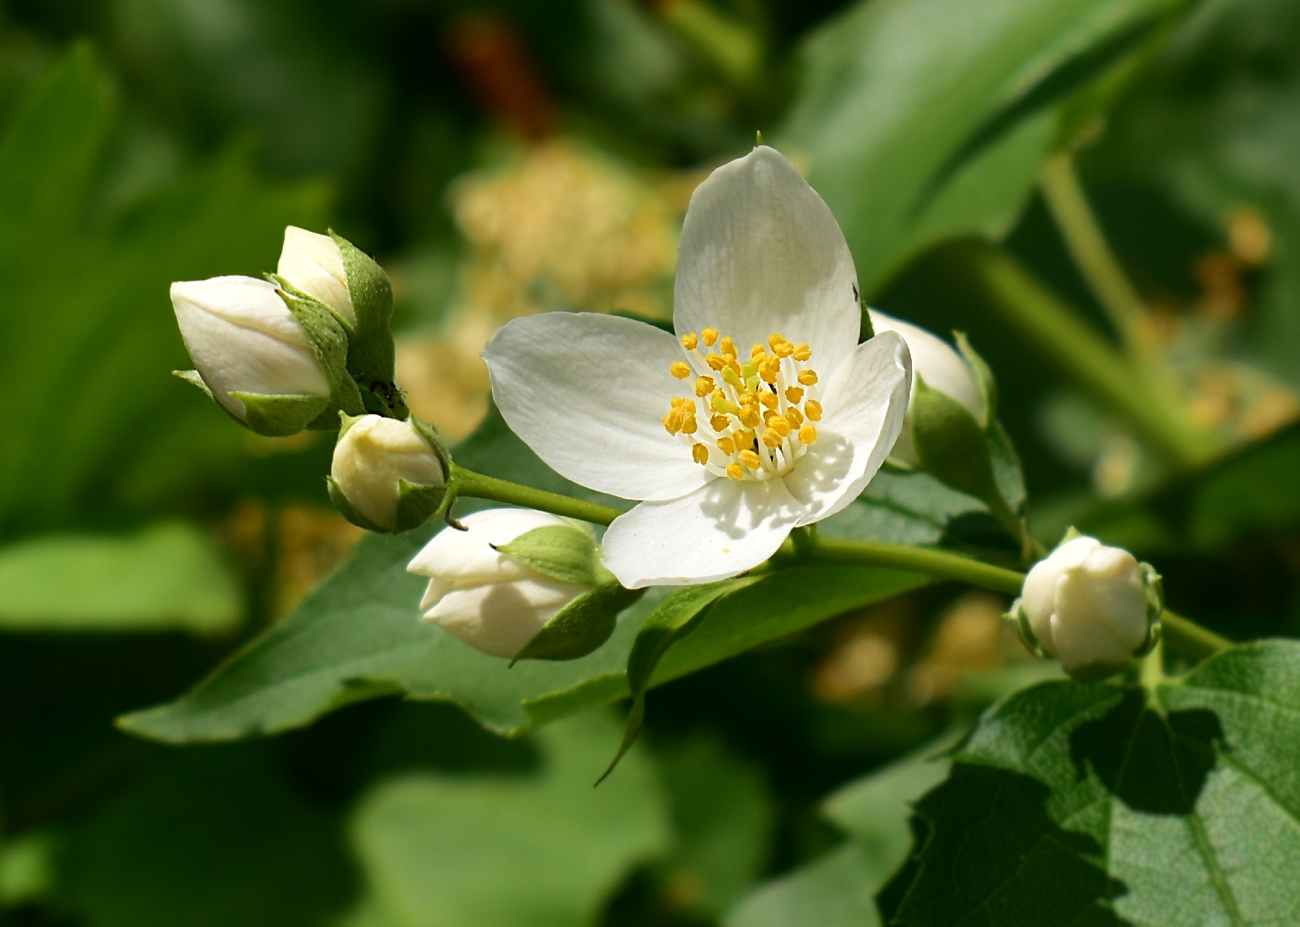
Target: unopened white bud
[(942, 368), (491, 602), (372, 459), (1090, 606), (314, 265), (243, 339)]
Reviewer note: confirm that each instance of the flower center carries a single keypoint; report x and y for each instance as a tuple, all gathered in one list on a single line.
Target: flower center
[(757, 414)]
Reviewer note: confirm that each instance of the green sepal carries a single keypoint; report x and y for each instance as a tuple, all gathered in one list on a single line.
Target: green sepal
[(340, 502), (193, 378), (434, 440), (1019, 622), (984, 380), (951, 444), (280, 416), (581, 626), (1154, 585), (328, 338), (561, 552), (416, 504), (370, 352), (866, 331)]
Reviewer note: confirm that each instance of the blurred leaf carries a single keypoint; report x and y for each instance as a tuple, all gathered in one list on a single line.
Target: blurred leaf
[(168, 577), (209, 839), (1075, 803), (922, 119), (89, 337), (513, 850), (837, 890)]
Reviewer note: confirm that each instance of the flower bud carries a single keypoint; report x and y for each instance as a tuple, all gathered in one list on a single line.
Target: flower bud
[(1090, 606), (490, 601), (387, 475), (942, 368), (245, 342), (314, 264)]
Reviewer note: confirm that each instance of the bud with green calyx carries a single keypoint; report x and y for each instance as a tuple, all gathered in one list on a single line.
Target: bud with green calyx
[(951, 429), (520, 584), (335, 273), (388, 475), (1090, 606), (275, 363)]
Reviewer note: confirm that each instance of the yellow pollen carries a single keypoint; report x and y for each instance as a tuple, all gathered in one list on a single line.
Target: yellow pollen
[(813, 409), (807, 377), (690, 341), (774, 339), (768, 399), (735, 471), (680, 369), (744, 439), (689, 426), (726, 445), (678, 402), (802, 352), (704, 386), (732, 364), (749, 417), (719, 423), (769, 369), (747, 398), (784, 349), (777, 424), (757, 352), (771, 438), (716, 361), (673, 422), (794, 417), (793, 394), (808, 434), (700, 454), (751, 460), (710, 336), (727, 346)]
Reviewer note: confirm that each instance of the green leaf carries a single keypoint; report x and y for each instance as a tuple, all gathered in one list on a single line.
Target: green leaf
[(521, 850), (164, 578), (561, 552), (923, 119), (1075, 803), (581, 626)]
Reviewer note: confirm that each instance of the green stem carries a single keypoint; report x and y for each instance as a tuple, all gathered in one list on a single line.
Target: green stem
[(469, 483), (937, 563), (1189, 638), (1073, 346)]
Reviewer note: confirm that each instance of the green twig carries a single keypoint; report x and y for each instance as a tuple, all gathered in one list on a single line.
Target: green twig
[(1189, 638), (479, 486)]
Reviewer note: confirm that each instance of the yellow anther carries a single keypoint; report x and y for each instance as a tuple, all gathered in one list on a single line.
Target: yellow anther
[(751, 460), (716, 361), (777, 424), (793, 394), (689, 426), (700, 454), (749, 417), (710, 336), (704, 386), (813, 409), (733, 378), (794, 417), (680, 369), (725, 405), (769, 369), (735, 471), (727, 446), (784, 349), (771, 437), (774, 339), (732, 364), (678, 402), (727, 346), (690, 341), (673, 422), (768, 399), (802, 352), (808, 434), (744, 439), (747, 399), (720, 423), (807, 377), (757, 352)]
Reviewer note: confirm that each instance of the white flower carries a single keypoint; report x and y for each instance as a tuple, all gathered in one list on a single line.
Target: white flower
[(940, 366), (373, 455), (493, 603), (727, 446), (1087, 604), (243, 339), (314, 264)]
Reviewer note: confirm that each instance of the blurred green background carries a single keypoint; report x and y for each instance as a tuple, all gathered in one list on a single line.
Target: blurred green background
[(511, 157)]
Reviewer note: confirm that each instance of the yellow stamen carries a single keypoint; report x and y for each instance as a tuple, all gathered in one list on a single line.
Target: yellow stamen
[(777, 424), (678, 402), (769, 369), (732, 378), (725, 405), (807, 377), (813, 409), (704, 386), (757, 352), (774, 339), (749, 417), (808, 434), (768, 399), (793, 394), (673, 422), (744, 439), (784, 349), (680, 369), (727, 346), (794, 417), (751, 460), (710, 336), (747, 398), (802, 352), (689, 426), (700, 454), (690, 341), (727, 446), (771, 438), (735, 471), (716, 361)]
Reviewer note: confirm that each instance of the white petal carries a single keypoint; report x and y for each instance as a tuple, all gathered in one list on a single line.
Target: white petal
[(314, 264), (588, 394), (761, 253), (936, 361), (370, 459), (720, 530), (865, 404), (499, 619), (455, 558)]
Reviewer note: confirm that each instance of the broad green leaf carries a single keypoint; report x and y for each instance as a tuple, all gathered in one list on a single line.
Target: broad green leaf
[(206, 839), (922, 119), (1075, 803), (903, 507), (544, 849), (168, 577)]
